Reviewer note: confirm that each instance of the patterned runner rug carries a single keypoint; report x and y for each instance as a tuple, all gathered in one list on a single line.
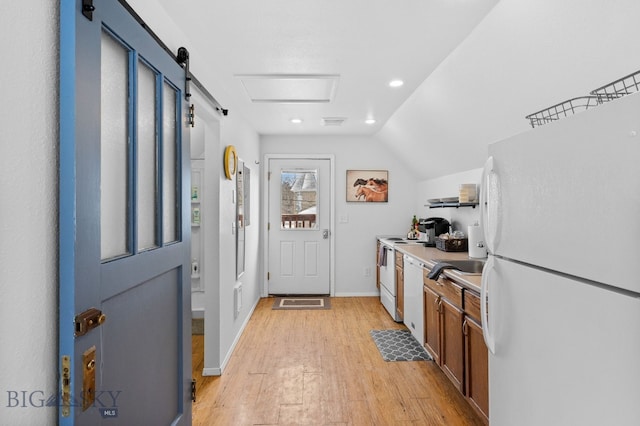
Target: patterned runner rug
[(399, 345)]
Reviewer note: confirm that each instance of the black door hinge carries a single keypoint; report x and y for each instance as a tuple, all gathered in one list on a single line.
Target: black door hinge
[(192, 115), (193, 390), (87, 9)]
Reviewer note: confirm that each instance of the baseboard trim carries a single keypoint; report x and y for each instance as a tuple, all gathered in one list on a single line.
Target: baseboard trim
[(208, 371), (366, 294), (212, 371)]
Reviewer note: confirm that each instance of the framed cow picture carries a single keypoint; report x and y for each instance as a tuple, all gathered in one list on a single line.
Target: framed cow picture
[(368, 186)]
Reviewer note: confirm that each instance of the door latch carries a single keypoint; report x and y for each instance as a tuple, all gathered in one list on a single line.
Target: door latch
[(88, 378), (66, 386), (88, 320)]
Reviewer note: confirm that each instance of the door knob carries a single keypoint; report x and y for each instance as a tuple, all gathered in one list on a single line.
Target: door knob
[(325, 234)]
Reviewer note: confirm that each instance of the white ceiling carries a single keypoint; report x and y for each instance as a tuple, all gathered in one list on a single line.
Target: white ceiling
[(360, 44), (473, 69)]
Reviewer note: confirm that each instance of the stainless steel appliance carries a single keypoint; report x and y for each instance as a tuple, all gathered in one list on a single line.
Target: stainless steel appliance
[(561, 307), (432, 227)]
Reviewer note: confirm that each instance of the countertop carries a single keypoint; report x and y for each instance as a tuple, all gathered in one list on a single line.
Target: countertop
[(426, 254)]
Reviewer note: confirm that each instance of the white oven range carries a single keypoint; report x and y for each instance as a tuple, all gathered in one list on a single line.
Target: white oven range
[(386, 261)]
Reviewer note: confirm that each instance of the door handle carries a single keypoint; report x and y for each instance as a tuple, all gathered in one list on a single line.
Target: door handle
[(487, 331), (484, 206), (325, 234)]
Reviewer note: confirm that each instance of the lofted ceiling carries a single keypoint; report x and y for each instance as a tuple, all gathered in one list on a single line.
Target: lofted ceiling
[(472, 69), (327, 63)]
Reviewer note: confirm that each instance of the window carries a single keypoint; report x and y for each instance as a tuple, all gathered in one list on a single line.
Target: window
[(298, 199)]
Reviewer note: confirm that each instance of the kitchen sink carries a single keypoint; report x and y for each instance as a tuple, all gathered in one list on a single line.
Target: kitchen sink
[(466, 267)]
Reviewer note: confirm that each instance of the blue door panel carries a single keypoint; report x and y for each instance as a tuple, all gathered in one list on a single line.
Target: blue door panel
[(144, 323), (143, 348)]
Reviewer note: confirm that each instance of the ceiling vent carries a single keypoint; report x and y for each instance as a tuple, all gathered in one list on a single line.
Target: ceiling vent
[(333, 121)]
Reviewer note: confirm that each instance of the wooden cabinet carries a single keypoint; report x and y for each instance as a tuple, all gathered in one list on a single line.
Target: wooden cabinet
[(443, 326), (476, 358), (452, 358), (399, 285), (454, 339), (432, 323)]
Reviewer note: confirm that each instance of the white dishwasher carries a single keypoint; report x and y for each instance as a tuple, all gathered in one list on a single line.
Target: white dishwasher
[(414, 297)]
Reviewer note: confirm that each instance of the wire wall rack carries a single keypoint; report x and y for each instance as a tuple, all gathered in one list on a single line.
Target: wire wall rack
[(609, 92), (619, 88), (563, 109)]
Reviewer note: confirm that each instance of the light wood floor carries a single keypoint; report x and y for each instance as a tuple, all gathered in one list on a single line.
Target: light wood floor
[(321, 367)]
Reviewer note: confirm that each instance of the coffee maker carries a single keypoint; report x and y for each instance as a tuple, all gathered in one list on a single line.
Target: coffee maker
[(432, 227)]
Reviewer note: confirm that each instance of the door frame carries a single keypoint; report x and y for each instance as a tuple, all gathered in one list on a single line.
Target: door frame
[(265, 215)]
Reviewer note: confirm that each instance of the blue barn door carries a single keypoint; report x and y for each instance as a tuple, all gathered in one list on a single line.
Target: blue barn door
[(124, 331)]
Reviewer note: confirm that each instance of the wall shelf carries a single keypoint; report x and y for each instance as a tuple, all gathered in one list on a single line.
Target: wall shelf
[(456, 205)]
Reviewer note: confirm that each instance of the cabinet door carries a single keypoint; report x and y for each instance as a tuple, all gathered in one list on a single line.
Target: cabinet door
[(477, 368), (400, 292), (452, 349), (432, 323)]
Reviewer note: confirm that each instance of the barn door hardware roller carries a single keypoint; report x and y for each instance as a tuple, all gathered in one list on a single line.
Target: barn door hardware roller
[(183, 59), (87, 9)]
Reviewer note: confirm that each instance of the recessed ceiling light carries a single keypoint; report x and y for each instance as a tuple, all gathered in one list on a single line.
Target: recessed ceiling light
[(396, 83), (296, 120), (370, 121)]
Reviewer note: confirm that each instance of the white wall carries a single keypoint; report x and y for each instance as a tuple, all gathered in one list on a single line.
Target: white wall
[(28, 211), (524, 56), (448, 186), (355, 240), (222, 326)]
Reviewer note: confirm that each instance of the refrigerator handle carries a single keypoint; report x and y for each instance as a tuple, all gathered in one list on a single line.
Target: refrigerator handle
[(485, 220), (489, 339)]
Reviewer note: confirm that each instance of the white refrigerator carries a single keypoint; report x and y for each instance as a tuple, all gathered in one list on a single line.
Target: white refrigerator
[(560, 206)]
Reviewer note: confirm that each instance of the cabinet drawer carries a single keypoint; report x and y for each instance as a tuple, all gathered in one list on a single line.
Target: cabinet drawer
[(445, 288), (399, 260), (472, 305)]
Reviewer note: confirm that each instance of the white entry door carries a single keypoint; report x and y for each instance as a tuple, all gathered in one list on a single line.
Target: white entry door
[(299, 226)]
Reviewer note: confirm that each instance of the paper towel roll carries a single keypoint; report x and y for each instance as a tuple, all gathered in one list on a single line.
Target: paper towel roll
[(476, 239)]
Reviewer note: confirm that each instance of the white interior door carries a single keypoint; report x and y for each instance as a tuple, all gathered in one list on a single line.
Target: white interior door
[(299, 226)]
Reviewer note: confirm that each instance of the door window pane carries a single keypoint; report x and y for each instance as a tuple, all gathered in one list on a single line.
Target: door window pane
[(298, 199), (146, 157), (169, 162), (114, 148)]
